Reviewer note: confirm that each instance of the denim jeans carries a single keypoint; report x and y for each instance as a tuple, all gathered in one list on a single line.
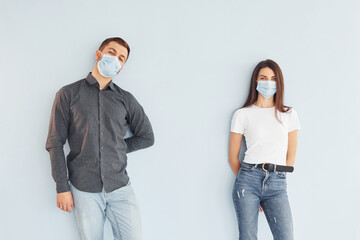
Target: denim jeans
[(254, 187), (119, 207)]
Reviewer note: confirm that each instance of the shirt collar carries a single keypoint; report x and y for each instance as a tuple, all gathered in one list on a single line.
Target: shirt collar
[(90, 78)]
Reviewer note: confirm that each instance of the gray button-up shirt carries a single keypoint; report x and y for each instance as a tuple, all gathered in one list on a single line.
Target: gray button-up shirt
[(95, 122)]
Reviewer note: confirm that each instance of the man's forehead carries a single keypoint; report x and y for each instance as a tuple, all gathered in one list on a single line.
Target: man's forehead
[(116, 46)]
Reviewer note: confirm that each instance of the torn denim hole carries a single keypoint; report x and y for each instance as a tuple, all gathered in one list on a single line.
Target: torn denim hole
[(242, 193)]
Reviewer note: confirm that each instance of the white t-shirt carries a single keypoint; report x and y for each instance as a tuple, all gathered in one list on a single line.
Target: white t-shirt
[(266, 138)]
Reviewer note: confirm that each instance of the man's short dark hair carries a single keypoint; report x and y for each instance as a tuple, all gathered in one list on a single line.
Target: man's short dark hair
[(118, 40)]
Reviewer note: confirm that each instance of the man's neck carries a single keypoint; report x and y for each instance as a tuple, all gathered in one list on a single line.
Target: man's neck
[(103, 81)]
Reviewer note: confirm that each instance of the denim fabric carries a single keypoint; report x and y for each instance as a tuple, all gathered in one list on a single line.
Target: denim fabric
[(119, 207), (254, 187)]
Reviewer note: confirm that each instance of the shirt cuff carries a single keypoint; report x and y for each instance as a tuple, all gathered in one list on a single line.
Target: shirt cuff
[(62, 187)]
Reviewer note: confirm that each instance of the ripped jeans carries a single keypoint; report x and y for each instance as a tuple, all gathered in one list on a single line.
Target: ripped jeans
[(254, 187)]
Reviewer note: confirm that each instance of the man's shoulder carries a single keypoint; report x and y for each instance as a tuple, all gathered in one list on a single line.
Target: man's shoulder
[(71, 87)]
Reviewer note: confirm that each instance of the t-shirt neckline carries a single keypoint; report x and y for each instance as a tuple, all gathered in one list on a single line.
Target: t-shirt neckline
[(261, 107)]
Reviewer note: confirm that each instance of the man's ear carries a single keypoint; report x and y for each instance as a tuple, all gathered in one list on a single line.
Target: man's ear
[(98, 55)]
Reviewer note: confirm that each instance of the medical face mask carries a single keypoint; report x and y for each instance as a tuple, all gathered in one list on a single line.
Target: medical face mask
[(266, 88), (108, 66)]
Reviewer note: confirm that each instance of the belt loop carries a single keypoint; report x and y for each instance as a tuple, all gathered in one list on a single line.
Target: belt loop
[(256, 165), (274, 167)]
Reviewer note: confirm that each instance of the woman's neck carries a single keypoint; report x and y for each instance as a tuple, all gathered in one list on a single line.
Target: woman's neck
[(264, 102)]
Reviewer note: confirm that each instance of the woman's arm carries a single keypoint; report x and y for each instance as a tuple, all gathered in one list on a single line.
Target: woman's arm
[(292, 144), (234, 150)]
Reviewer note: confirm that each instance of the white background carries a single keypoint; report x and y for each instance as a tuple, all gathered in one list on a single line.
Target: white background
[(190, 68)]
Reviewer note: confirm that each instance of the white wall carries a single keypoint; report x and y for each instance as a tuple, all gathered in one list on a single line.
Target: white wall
[(190, 68)]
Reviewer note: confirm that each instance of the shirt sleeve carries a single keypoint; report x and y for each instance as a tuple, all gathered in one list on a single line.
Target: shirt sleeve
[(57, 135), (140, 126), (293, 122), (237, 122)]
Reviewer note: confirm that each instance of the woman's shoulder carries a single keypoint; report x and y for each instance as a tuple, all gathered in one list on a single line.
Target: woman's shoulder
[(291, 113), (291, 110), (242, 110)]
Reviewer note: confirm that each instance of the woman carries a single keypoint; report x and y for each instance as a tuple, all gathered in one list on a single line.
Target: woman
[(270, 129)]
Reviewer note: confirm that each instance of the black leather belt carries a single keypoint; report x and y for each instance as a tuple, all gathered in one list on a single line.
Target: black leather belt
[(269, 167)]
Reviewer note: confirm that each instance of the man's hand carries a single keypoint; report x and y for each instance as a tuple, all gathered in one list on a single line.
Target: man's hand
[(260, 209), (65, 201)]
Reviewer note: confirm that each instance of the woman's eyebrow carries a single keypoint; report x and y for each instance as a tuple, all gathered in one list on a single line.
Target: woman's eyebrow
[(266, 76)]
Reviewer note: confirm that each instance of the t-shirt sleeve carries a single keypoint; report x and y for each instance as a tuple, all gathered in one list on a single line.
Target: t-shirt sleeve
[(293, 123), (237, 122)]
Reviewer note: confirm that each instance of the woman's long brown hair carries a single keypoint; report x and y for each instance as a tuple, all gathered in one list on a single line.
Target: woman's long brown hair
[(279, 95)]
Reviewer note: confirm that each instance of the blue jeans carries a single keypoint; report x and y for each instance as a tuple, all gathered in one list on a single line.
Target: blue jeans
[(119, 207), (254, 187)]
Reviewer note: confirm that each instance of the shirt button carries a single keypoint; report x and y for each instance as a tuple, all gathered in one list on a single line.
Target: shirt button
[(102, 133), (102, 147)]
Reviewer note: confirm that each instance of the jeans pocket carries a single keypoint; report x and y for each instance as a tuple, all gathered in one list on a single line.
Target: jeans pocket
[(281, 174), (246, 167)]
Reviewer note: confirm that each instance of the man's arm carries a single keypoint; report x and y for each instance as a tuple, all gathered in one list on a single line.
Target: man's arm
[(58, 132), (139, 125)]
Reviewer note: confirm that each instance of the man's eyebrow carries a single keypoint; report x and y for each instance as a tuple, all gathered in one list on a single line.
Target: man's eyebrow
[(113, 49)]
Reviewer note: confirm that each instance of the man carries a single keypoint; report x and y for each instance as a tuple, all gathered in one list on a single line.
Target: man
[(93, 114)]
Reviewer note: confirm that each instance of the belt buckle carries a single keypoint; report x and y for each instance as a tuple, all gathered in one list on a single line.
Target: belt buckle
[(264, 168)]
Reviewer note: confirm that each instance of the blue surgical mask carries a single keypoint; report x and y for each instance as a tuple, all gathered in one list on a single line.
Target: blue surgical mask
[(266, 88), (108, 66)]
